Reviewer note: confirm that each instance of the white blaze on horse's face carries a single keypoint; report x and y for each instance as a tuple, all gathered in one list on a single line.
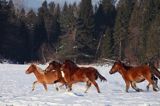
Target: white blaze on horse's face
[(63, 75)]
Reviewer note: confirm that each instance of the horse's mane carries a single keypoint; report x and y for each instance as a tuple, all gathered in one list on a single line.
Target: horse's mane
[(127, 67), (71, 64), (55, 62)]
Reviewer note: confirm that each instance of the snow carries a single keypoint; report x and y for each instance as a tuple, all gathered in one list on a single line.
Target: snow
[(15, 90)]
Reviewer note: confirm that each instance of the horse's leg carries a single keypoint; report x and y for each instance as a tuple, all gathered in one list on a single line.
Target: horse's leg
[(45, 87), (88, 86), (155, 81), (70, 87), (133, 84), (34, 83), (151, 82), (148, 86), (57, 88), (96, 85), (127, 85), (62, 85)]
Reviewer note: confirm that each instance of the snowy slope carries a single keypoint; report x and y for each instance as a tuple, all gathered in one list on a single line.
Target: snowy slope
[(15, 90)]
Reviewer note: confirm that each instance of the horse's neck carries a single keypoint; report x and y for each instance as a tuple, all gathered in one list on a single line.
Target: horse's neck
[(38, 73), (123, 72)]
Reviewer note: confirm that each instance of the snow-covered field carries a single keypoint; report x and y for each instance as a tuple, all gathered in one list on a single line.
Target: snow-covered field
[(15, 90)]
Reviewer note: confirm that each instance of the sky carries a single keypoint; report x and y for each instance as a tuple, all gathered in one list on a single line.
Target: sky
[(34, 4)]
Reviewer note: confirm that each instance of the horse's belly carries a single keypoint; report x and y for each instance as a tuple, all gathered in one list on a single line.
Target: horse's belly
[(139, 79)]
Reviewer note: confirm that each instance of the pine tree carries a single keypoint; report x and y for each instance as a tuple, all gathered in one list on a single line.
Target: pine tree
[(104, 18), (153, 38), (107, 44), (40, 36), (141, 19), (52, 7), (124, 10), (3, 22), (31, 21), (85, 36)]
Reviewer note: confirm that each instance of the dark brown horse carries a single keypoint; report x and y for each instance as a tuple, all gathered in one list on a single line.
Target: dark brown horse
[(73, 74), (56, 66), (42, 77), (133, 75)]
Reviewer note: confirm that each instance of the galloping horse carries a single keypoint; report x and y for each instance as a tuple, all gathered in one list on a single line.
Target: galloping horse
[(56, 66), (133, 75), (154, 72), (73, 74), (42, 77)]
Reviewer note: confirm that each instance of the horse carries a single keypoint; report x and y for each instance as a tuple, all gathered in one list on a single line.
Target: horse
[(154, 74), (74, 74), (56, 66), (42, 77), (133, 75)]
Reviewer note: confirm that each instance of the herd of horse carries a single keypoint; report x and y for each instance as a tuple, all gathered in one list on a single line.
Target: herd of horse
[(69, 73)]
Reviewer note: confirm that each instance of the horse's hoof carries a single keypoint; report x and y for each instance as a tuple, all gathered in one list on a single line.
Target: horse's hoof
[(154, 89), (57, 89), (139, 90)]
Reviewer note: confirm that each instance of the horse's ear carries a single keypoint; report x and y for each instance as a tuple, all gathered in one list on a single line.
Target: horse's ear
[(33, 65), (118, 61)]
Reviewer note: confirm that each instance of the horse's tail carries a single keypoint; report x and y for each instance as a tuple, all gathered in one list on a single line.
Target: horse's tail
[(100, 76), (154, 71)]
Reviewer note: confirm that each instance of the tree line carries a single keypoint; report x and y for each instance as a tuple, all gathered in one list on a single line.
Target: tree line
[(81, 32)]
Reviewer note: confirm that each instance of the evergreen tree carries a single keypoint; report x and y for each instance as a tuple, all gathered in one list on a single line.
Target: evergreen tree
[(40, 36), (85, 36), (153, 38), (104, 18), (141, 19), (3, 22), (52, 7), (124, 10), (31, 22), (107, 44)]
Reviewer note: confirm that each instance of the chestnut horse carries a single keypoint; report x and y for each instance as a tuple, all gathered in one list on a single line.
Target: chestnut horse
[(133, 75), (73, 74), (42, 77), (54, 65), (154, 73)]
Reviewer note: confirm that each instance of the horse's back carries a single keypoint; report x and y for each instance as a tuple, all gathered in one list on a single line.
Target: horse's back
[(143, 68), (139, 72)]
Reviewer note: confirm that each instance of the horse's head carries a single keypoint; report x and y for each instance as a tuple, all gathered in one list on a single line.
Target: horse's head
[(53, 66), (31, 69), (115, 67)]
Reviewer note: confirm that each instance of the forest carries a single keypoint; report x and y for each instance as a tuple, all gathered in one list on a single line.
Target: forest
[(81, 32)]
